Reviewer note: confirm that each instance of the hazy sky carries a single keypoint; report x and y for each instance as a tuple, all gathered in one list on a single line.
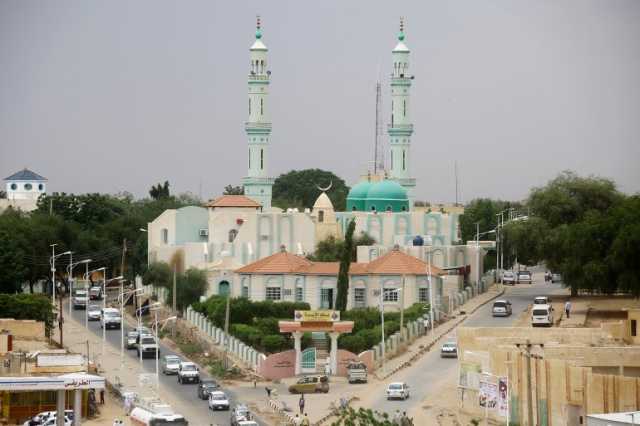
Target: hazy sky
[(108, 96)]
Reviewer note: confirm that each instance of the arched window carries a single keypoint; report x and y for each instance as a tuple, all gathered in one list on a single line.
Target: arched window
[(249, 157), (373, 208), (392, 159), (354, 208), (232, 235), (404, 208), (249, 106), (261, 67), (261, 159), (321, 216), (14, 186), (404, 164), (404, 108), (391, 113), (40, 187), (28, 187), (261, 107), (389, 208), (165, 235)]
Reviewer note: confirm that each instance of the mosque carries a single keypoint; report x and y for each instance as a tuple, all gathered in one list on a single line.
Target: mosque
[(252, 249)]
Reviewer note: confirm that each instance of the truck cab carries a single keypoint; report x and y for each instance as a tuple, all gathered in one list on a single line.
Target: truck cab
[(357, 372)]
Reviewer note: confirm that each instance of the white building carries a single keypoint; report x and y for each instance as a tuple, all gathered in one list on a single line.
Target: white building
[(23, 189)]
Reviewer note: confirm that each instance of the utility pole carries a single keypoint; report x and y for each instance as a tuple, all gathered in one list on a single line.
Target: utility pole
[(226, 330), (528, 355), (124, 252), (87, 356), (60, 321), (173, 327)]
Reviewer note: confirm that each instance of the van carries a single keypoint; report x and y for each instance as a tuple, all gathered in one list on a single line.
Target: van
[(542, 315), (357, 372)]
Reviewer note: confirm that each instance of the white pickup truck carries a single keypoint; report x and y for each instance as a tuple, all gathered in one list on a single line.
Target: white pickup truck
[(188, 373)]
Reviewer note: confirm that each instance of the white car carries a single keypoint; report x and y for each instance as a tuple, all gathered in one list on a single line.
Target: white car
[(110, 318), (508, 277), (147, 346), (93, 312), (449, 350), (80, 299), (218, 401), (542, 315), (171, 364), (501, 308), (188, 373), (398, 390), (49, 418)]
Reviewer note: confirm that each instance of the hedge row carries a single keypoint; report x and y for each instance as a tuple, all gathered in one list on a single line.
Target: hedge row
[(28, 306)]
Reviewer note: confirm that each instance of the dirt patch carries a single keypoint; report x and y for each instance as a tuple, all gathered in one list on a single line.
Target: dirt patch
[(596, 317)]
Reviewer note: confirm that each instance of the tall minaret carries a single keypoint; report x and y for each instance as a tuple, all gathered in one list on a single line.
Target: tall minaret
[(400, 129), (257, 184)]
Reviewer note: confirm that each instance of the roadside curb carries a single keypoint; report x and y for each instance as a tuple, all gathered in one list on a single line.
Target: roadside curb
[(456, 322)]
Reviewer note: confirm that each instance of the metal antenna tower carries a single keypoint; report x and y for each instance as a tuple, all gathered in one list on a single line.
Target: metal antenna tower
[(378, 161)]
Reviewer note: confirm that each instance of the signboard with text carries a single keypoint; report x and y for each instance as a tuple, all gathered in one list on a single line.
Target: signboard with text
[(317, 316)]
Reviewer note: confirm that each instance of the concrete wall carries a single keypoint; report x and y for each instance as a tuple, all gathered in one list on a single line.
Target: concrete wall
[(23, 329), (279, 365)]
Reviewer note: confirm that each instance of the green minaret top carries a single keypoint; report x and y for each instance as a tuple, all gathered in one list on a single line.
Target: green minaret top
[(258, 30), (401, 33)]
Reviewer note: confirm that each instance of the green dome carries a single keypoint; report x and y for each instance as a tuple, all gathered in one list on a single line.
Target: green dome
[(401, 35), (258, 34), (387, 190), (357, 196)]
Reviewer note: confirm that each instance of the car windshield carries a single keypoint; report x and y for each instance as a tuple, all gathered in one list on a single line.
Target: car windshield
[(395, 386), (508, 274), (449, 345), (540, 301), (189, 367), (111, 314), (94, 308), (132, 334), (148, 340), (81, 293), (172, 360), (525, 273), (499, 304), (219, 397), (540, 312)]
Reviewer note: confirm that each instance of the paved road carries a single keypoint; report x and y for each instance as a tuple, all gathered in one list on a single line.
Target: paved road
[(198, 414), (430, 369)]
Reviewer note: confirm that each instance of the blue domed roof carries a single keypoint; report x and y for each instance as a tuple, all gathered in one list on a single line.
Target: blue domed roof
[(360, 190), (387, 190)]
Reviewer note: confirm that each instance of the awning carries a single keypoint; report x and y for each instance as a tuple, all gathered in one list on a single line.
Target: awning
[(66, 381)]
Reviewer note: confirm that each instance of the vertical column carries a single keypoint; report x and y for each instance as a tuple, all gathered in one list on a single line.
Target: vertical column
[(333, 355), (77, 407), (60, 401), (297, 337)]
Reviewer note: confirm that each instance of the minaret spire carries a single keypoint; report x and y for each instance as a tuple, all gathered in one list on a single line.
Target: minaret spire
[(257, 184), (401, 128)]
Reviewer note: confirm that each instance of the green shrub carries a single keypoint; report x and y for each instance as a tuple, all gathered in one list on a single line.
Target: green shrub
[(273, 343), (28, 306), (352, 342)]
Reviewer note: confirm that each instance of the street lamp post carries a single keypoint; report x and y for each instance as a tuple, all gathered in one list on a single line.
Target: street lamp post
[(121, 297), (429, 242), (104, 306), (54, 256), (70, 275), (86, 284)]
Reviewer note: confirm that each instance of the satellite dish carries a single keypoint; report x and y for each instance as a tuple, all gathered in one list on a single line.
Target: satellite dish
[(325, 189)]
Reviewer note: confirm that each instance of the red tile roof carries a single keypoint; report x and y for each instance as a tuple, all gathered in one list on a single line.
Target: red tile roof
[(233, 201), (393, 263)]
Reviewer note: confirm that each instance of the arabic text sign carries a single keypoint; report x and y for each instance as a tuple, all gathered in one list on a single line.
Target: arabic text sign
[(488, 395), (317, 316)]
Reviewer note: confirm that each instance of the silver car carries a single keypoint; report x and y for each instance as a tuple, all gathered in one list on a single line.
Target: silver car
[(94, 313), (170, 364)]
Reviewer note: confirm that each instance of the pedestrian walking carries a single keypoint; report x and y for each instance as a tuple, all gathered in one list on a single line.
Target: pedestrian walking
[(301, 403), (397, 418), (297, 421), (268, 390), (305, 420), (101, 396), (567, 308)]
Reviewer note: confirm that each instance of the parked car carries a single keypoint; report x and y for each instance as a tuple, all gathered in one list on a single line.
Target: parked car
[(524, 277), (110, 318), (94, 312), (80, 299), (95, 292), (240, 415), (508, 277), (449, 350), (311, 384), (357, 372), (542, 315), (218, 400), (398, 390), (206, 387), (46, 416), (501, 308), (556, 278), (188, 373), (147, 346), (132, 336), (171, 364)]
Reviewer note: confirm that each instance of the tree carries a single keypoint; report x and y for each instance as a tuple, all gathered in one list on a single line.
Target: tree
[(160, 191), (233, 190), (189, 287), (299, 188), (331, 248), (159, 274), (345, 263), (13, 271), (3, 194)]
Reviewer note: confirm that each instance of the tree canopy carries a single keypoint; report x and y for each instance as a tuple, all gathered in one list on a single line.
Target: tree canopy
[(299, 188), (233, 190), (585, 229), (160, 191)]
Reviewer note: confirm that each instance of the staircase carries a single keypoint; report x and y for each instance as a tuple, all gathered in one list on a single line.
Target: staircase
[(320, 342)]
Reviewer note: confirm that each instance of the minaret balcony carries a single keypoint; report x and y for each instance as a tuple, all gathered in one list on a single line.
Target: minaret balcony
[(258, 78), (256, 127), (400, 81), (400, 129)]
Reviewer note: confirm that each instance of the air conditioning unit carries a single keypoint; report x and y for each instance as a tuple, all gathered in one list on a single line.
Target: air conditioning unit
[(204, 232)]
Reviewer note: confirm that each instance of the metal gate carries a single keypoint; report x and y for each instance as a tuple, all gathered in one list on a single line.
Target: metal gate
[(308, 363)]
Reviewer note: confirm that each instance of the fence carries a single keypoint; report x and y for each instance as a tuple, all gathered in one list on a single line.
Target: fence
[(158, 293), (242, 351)]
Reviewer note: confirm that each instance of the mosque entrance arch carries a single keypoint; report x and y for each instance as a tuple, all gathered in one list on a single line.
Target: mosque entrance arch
[(223, 288)]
